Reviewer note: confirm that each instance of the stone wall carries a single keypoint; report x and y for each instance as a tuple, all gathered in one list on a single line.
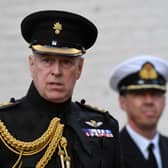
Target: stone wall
[(126, 29)]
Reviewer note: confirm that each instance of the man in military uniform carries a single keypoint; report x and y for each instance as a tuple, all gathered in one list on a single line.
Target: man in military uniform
[(141, 84), (45, 128)]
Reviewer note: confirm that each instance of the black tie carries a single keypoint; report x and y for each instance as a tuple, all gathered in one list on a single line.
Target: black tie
[(151, 159)]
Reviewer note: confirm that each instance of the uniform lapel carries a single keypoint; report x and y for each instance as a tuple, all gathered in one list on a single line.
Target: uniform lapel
[(131, 153), (163, 143), (73, 120)]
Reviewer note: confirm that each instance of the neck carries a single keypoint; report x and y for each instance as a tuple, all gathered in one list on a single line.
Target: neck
[(147, 132), (42, 104)]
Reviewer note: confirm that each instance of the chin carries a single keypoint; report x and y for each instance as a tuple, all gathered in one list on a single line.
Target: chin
[(58, 99)]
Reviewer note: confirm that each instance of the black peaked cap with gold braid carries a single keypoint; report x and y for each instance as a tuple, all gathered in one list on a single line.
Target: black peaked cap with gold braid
[(58, 33)]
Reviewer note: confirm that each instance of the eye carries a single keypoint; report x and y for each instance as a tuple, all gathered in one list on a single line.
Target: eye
[(157, 94), (67, 63), (47, 60)]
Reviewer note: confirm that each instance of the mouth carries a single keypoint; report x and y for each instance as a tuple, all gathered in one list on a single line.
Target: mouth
[(55, 85), (150, 113), (149, 110)]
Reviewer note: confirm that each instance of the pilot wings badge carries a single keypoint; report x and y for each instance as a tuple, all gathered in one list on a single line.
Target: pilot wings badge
[(94, 123)]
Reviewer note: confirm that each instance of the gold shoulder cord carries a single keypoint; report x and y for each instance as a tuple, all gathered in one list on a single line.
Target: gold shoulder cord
[(51, 138)]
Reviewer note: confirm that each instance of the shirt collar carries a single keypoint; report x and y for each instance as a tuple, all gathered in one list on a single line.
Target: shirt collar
[(141, 141)]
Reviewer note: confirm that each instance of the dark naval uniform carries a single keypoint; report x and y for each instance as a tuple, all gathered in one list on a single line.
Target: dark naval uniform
[(35, 133), (130, 150), (28, 118), (146, 78)]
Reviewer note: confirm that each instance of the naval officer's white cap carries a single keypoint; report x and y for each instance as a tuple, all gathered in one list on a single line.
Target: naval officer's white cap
[(140, 72)]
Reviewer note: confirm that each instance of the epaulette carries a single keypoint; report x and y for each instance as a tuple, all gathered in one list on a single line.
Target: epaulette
[(12, 102), (87, 106)]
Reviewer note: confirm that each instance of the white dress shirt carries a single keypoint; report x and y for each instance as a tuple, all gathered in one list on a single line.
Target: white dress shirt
[(143, 143)]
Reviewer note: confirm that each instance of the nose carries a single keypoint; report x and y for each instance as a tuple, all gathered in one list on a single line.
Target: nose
[(148, 98), (56, 69)]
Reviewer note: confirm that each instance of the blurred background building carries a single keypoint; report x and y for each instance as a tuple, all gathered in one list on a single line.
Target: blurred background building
[(126, 28)]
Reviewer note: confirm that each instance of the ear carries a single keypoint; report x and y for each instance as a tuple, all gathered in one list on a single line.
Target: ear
[(31, 63), (80, 67), (122, 101)]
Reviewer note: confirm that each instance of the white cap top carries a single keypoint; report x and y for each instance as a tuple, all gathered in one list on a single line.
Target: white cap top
[(134, 65)]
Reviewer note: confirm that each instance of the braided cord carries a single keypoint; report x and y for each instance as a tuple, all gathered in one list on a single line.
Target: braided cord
[(51, 148), (28, 148), (51, 138)]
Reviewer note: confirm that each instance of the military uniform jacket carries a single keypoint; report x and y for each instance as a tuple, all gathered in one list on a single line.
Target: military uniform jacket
[(28, 118), (133, 158)]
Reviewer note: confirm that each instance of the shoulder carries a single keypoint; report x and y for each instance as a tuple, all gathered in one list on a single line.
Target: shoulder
[(163, 143), (93, 111), (164, 139), (123, 131), (95, 119), (125, 138), (90, 108), (10, 104)]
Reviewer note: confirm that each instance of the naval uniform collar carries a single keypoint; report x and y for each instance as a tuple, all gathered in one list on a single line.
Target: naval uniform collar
[(35, 99)]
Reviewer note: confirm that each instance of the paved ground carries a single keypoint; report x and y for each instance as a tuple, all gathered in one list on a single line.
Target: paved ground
[(126, 29)]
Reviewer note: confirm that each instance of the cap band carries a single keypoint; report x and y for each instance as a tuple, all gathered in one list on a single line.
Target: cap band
[(53, 50), (147, 86)]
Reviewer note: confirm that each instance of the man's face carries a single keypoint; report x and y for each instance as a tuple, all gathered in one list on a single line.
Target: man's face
[(143, 108), (55, 76)]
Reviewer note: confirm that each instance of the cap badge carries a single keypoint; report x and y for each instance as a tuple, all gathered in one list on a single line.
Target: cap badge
[(54, 43), (148, 71), (94, 123), (57, 27)]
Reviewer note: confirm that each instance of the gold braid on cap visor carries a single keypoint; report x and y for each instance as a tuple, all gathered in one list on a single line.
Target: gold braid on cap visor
[(51, 139), (147, 86), (54, 50)]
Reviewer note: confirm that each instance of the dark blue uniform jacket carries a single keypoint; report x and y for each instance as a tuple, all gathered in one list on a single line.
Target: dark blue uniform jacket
[(28, 118)]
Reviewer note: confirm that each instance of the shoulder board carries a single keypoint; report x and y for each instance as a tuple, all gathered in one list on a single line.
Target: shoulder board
[(95, 109), (10, 103), (87, 106)]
